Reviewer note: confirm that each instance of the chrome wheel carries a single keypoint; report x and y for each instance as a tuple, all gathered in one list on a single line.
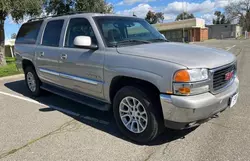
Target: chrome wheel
[(31, 82), (133, 114)]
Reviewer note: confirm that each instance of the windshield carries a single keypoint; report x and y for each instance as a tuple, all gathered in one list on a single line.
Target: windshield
[(126, 31)]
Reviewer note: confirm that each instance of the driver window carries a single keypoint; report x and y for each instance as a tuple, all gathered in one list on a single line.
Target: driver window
[(78, 27)]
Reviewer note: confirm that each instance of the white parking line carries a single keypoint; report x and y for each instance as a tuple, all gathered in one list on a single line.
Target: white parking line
[(22, 98), (229, 48), (56, 108), (18, 76)]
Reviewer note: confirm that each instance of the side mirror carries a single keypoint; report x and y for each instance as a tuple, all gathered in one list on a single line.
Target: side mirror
[(84, 42)]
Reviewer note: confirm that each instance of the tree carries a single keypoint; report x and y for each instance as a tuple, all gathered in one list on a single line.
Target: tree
[(223, 19), (214, 21), (220, 18), (58, 7), (13, 36), (218, 14), (17, 10), (184, 16), (239, 11), (154, 18)]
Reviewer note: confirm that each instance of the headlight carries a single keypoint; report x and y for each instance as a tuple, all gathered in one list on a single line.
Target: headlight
[(191, 82), (191, 75)]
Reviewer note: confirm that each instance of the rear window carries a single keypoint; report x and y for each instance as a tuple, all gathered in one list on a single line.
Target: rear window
[(28, 33), (52, 33)]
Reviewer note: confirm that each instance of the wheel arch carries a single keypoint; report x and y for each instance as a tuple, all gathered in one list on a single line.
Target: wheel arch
[(26, 63), (119, 82)]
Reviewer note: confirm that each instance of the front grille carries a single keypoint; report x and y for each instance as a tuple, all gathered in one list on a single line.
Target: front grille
[(219, 77)]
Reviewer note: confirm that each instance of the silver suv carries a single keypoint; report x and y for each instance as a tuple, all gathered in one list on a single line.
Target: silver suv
[(125, 64)]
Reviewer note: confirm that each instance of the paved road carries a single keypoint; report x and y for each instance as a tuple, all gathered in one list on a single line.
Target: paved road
[(54, 128)]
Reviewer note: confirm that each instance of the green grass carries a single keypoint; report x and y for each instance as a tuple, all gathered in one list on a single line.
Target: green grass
[(10, 60), (9, 69)]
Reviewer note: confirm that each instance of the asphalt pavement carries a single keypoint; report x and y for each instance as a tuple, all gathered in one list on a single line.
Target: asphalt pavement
[(54, 128)]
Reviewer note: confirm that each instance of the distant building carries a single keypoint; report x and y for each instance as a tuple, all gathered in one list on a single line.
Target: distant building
[(221, 31), (194, 30), (9, 47)]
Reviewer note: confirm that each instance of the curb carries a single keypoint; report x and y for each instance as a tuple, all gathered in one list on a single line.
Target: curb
[(12, 77)]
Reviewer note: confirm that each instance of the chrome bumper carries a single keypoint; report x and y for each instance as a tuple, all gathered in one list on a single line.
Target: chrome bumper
[(191, 109)]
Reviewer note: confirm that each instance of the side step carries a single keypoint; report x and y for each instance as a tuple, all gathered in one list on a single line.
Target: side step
[(77, 97)]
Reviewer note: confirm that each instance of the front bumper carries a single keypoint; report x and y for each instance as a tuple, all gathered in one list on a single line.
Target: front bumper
[(181, 112)]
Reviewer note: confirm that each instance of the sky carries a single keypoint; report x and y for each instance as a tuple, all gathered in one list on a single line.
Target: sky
[(171, 8)]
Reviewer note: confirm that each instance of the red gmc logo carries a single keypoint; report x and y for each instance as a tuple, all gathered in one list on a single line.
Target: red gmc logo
[(229, 75)]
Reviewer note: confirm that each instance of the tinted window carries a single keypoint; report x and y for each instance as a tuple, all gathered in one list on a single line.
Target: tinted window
[(79, 27), (52, 33), (28, 33)]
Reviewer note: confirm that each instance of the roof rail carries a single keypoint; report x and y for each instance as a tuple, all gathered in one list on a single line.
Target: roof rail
[(64, 14), (34, 19)]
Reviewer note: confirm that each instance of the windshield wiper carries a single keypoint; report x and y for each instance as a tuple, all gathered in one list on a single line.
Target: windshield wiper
[(132, 41), (159, 40)]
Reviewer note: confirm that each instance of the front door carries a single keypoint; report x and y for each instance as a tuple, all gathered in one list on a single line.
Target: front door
[(81, 69), (48, 52)]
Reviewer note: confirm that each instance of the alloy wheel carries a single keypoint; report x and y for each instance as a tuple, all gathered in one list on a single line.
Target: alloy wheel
[(133, 114)]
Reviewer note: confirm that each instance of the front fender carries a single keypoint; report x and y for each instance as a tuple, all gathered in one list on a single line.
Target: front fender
[(157, 72), (112, 73)]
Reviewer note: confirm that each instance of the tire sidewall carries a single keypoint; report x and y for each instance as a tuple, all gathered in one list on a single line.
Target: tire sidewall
[(37, 81), (152, 127)]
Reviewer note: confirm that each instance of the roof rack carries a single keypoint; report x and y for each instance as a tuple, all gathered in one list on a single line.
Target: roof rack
[(34, 19), (65, 14)]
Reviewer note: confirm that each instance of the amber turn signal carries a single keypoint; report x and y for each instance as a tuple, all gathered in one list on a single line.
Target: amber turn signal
[(182, 76), (184, 90)]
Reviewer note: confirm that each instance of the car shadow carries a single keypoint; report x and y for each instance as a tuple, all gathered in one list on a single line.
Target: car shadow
[(101, 120)]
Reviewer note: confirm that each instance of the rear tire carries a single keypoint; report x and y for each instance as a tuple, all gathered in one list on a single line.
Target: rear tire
[(32, 81), (136, 116)]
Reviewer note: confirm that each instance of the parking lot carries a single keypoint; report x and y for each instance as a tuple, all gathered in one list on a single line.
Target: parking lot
[(54, 128)]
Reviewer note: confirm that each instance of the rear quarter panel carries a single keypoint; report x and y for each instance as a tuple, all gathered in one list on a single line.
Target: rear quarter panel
[(24, 51), (27, 51)]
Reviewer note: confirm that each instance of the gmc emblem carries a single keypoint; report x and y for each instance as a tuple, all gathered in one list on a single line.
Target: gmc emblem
[(229, 75)]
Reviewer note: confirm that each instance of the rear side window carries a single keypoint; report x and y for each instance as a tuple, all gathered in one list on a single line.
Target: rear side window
[(52, 33), (28, 33)]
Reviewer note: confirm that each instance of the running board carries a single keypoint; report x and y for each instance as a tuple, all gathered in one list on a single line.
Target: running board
[(77, 97)]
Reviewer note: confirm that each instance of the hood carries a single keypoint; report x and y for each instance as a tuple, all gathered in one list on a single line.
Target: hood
[(191, 56)]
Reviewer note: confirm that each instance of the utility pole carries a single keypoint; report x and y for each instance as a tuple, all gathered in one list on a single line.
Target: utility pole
[(183, 34)]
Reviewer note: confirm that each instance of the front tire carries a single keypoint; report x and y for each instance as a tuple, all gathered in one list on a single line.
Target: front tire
[(32, 81), (135, 115)]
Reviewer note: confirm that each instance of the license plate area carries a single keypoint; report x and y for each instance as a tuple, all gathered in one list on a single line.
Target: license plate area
[(233, 100)]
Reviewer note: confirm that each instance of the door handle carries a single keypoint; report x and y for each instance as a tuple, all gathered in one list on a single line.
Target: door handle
[(41, 54), (64, 56)]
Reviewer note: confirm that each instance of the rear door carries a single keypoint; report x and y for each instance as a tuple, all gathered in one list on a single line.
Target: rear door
[(48, 51)]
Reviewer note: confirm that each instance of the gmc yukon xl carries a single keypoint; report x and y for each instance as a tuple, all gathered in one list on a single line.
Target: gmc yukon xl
[(122, 63)]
